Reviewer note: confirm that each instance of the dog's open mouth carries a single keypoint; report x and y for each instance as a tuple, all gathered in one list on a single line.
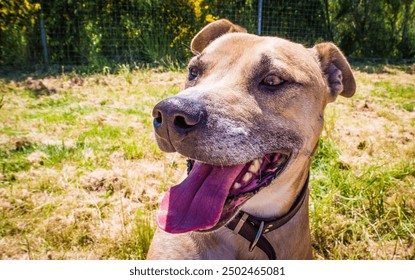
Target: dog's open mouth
[(211, 194)]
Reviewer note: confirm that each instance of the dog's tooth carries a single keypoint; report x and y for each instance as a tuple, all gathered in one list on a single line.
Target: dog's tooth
[(237, 186), (255, 165), (247, 177)]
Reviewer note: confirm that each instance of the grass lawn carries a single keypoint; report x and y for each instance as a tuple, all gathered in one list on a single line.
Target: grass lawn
[(81, 174)]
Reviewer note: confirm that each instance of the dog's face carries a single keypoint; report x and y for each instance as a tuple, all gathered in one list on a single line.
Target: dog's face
[(250, 117)]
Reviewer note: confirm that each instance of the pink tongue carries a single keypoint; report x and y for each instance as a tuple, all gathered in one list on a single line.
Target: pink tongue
[(197, 202)]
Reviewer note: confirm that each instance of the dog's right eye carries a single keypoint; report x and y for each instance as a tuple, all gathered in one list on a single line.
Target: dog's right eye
[(193, 73)]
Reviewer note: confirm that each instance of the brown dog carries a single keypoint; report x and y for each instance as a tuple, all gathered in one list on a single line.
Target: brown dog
[(249, 120)]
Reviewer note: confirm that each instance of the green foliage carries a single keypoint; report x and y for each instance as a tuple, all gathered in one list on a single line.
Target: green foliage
[(384, 28), (157, 33), (302, 21), (17, 26)]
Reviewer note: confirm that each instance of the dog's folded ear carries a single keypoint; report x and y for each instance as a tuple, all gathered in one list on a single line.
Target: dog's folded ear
[(211, 32), (336, 69)]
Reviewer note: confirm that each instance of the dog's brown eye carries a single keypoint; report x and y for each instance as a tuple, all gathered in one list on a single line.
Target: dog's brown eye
[(193, 73), (272, 81)]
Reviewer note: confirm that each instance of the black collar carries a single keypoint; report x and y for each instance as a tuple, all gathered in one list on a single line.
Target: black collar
[(253, 228)]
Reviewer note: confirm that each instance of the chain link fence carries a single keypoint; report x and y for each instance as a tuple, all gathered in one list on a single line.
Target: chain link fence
[(145, 31)]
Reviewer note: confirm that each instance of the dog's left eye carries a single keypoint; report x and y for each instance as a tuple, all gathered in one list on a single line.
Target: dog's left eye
[(272, 81), (193, 73)]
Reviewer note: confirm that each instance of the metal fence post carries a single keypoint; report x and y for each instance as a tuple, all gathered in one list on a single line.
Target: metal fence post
[(43, 37), (259, 17)]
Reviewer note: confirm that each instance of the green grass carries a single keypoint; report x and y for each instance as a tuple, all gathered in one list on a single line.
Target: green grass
[(376, 205), (81, 174)]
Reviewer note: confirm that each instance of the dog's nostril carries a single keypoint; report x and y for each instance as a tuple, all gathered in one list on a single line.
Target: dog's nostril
[(157, 122), (180, 122)]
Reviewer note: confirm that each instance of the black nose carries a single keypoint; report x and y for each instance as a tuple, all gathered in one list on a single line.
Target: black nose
[(176, 117)]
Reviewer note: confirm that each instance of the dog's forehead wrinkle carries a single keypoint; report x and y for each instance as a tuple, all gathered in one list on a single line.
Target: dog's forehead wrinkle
[(272, 63)]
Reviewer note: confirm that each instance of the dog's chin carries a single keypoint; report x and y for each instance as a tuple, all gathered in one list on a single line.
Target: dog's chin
[(256, 175)]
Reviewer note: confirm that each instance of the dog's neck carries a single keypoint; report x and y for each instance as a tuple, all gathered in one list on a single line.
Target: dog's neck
[(253, 229)]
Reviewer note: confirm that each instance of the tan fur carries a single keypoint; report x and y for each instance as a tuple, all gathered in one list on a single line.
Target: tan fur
[(245, 122), (329, 55)]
